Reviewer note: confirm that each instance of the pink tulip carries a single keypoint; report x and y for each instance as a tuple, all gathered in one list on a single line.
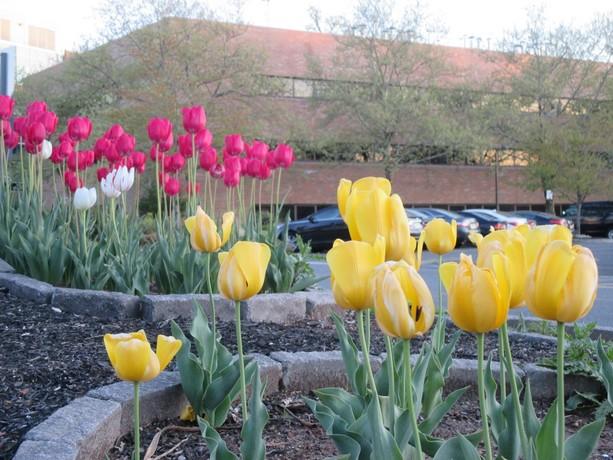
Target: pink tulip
[(190, 189), (231, 178), (79, 128), (208, 158), (194, 118), (185, 145), (156, 154), (203, 139), (101, 146), (36, 133), (172, 186), (284, 156), (263, 171), (125, 144), (138, 160), (71, 181), (65, 137), (101, 173), (36, 107), (270, 159), (177, 162), (166, 144), (232, 164), (65, 149), (20, 124), (49, 121), (259, 150), (7, 103), (234, 144), (55, 158), (114, 132), (11, 140), (159, 129), (217, 171)]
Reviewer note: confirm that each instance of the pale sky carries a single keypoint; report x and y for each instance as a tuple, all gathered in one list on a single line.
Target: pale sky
[(73, 19)]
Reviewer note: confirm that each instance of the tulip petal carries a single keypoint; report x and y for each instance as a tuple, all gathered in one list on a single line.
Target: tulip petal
[(475, 238), (167, 347), (399, 231), (342, 194), (373, 183), (133, 358), (447, 272), (227, 221), (581, 287)]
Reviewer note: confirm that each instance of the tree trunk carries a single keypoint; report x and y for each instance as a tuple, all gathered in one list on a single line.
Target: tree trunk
[(549, 204), (578, 216), (496, 179), (388, 163)]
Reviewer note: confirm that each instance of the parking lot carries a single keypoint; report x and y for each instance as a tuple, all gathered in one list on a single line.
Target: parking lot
[(603, 251)]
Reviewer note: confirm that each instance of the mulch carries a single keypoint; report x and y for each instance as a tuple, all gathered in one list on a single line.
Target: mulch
[(50, 357)]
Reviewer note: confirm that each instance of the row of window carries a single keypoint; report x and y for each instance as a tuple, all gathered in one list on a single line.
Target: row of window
[(37, 37)]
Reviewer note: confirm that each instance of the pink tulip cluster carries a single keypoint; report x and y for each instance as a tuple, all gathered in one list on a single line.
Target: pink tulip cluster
[(35, 127)]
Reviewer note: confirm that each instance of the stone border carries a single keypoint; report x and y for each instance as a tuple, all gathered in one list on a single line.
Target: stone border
[(88, 427)]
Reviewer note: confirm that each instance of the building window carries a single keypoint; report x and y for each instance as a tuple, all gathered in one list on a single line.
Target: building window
[(5, 29), (41, 38)]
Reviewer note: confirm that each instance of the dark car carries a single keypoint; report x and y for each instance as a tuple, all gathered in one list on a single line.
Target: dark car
[(596, 218), (466, 225), (326, 225), (488, 219), (544, 218)]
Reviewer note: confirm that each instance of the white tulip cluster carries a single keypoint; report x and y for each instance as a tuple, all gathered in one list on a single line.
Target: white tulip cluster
[(117, 181)]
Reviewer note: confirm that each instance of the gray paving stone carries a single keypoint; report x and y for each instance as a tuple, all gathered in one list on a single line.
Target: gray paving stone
[(5, 267), (46, 450), (162, 307), (320, 305), (271, 372), (463, 372), (543, 383), (275, 308), (305, 371), (160, 398), (89, 425), (26, 288), (102, 304)]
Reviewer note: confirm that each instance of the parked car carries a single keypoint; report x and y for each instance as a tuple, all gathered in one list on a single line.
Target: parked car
[(326, 225), (488, 219), (545, 218), (596, 218), (466, 225)]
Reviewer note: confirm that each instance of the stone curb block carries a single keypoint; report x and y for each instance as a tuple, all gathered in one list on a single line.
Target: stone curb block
[(160, 398), (84, 429), (101, 304), (309, 370), (172, 306), (320, 305), (532, 337), (463, 372), (271, 372), (275, 308), (5, 267), (543, 383), (26, 288)]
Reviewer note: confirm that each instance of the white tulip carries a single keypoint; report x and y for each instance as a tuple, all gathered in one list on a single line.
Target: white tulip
[(46, 149), (107, 187), (123, 179), (84, 198)]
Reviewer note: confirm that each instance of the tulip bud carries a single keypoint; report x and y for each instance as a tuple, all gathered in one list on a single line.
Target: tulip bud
[(166, 144), (114, 132), (185, 145), (259, 150), (7, 103), (35, 107), (138, 161), (125, 144), (284, 156), (242, 270), (79, 128), (208, 158), (231, 178), (84, 198), (46, 149), (234, 144), (12, 139), (49, 121), (217, 171), (203, 139), (194, 118), (159, 129), (20, 124), (203, 231), (440, 236), (101, 173), (36, 133), (172, 186)]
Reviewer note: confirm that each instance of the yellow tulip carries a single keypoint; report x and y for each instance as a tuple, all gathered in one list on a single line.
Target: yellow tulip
[(510, 245), (412, 256), (563, 282), (478, 298), (403, 303), (539, 236), (132, 358), (242, 270), (203, 231), (351, 265), (440, 236), (369, 209)]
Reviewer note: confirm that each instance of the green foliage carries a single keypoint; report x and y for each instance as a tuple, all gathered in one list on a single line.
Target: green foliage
[(581, 352), (349, 418), (210, 376)]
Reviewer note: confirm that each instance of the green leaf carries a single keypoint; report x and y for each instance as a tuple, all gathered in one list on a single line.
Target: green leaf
[(218, 450), (431, 423), (605, 371), (356, 373), (253, 446), (458, 448), (384, 444), (531, 421), (190, 369), (581, 444), (546, 445)]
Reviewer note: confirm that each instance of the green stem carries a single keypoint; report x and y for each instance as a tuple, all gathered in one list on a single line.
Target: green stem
[(366, 359), (408, 381), (211, 298), (136, 454), (157, 188), (560, 401), (241, 360), (502, 359), (440, 325), (391, 380), (367, 330), (481, 384), (514, 391)]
